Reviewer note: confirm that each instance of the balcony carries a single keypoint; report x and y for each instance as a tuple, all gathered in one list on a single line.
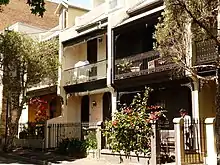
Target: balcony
[(141, 64), (206, 52), (86, 73), (45, 83)]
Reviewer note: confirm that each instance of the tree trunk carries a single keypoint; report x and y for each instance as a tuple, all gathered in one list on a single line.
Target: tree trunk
[(12, 132)]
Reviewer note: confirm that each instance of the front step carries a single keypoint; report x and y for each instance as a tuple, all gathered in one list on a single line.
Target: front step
[(114, 158)]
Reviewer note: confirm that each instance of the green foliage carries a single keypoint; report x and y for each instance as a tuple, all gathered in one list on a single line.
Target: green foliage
[(24, 63), (91, 140), (72, 147), (124, 66), (131, 131), (182, 20), (37, 7)]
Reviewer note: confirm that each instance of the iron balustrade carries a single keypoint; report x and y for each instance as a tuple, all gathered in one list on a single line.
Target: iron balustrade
[(206, 51), (86, 73), (141, 64), (61, 131)]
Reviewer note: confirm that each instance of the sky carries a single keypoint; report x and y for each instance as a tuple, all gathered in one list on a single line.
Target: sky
[(81, 3)]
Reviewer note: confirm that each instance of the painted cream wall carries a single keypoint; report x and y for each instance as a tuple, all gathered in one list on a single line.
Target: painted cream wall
[(72, 14), (96, 111), (207, 100), (73, 109)]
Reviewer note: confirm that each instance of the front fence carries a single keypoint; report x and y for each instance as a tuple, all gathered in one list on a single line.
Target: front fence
[(194, 139), (56, 133), (165, 142), (31, 130), (30, 135)]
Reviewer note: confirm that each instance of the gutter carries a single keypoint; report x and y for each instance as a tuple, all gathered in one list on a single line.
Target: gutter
[(91, 25)]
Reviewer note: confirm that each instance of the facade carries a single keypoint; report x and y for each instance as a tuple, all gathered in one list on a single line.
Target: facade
[(108, 56), (84, 68), (43, 90)]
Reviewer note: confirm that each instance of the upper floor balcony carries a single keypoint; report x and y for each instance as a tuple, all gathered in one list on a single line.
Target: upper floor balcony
[(206, 52), (85, 73), (140, 65)]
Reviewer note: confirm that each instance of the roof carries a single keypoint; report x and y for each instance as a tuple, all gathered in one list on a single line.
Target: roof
[(95, 15), (19, 11), (67, 5), (142, 4)]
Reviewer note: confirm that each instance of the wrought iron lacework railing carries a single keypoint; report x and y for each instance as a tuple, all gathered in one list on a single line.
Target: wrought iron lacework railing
[(141, 64), (86, 73), (206, 51)]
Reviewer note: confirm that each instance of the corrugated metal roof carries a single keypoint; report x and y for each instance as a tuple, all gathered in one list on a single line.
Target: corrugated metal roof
[(95, 15), (142, 4)]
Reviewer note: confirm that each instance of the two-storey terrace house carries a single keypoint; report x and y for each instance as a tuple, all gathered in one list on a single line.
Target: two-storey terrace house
[(84, 68)]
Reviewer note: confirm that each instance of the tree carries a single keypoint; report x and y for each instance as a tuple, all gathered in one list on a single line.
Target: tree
[(25, 62), (182, 23), (37, 7)]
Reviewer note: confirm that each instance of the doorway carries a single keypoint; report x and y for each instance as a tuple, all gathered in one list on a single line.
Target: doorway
[(53, 105), (107, 108), (85, 109), (107, 113), (92, 56)]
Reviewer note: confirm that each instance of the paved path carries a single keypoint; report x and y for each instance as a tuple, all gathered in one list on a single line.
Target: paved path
[(88, 161), (12, 161)]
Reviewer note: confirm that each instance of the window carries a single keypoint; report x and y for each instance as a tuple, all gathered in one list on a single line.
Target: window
[(64, 18)]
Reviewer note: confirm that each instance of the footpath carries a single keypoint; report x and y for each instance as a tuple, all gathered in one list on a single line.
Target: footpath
[(50, 158)]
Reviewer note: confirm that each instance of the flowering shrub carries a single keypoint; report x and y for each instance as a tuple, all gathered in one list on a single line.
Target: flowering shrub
[(41, 109), (130, 130)]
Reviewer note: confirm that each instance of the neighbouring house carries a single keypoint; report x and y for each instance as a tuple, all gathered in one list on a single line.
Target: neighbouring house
[(17, 16), (44, 91), (19, 11), (83, 83), (135, 65), (108, 56)]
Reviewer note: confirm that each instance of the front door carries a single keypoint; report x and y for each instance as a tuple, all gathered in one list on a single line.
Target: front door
[(85, 109)]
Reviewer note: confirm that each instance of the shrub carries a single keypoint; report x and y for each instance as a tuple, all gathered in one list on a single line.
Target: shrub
[(131, 131), (72, 147), (91, 140)]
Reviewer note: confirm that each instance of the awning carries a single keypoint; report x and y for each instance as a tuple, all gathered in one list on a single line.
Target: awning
[(134, 18)]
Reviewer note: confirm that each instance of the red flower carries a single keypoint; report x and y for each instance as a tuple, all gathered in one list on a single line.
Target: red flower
[(115, 122), (128, 111)]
